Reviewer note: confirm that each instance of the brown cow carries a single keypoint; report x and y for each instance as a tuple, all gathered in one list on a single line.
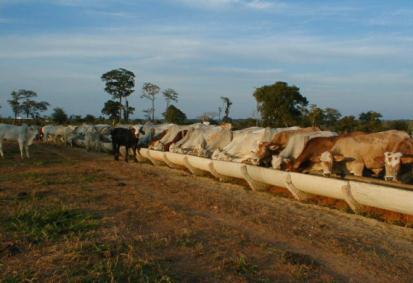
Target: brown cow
[(314, 148), (370, 151)]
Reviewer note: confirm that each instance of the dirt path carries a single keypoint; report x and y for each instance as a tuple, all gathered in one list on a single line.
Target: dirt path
[(192, 228)]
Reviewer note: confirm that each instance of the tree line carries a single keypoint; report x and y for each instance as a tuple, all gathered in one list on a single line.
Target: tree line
[(278, 105), (282, 105)]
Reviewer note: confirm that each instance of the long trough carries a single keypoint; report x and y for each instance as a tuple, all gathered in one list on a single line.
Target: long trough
[(355, 193)]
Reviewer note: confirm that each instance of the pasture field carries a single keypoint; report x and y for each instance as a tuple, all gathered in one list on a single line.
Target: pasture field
[(68, 215)]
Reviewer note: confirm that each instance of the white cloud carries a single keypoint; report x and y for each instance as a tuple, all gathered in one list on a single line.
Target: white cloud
[(220, 4), (163, 46), (246, 71)]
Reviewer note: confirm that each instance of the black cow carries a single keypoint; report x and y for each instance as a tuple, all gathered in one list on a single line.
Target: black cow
[(126, 137)]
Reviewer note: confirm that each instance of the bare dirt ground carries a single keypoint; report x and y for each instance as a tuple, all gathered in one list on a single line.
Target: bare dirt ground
[(69, 215)]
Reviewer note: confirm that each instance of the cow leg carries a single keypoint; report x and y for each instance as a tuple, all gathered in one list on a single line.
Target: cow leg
[(134, 153), (21, 147), (26, 148), (356, 168), (126, 153), (116, 151), (1, 148)]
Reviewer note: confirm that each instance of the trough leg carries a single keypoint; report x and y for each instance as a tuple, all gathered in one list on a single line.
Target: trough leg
[(154, 162), (297, 194), (192, 169), (348, 197), (254, 185), (168, 162), (139, 156), (212, 170)]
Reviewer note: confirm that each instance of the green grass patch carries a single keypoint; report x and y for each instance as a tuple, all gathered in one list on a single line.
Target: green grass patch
[(37, 224), (117, 262), (244, 267)]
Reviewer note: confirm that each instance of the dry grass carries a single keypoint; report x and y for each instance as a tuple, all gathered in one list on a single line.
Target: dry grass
[(71, 216)]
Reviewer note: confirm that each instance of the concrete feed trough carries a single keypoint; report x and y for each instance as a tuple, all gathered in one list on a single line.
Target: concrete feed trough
[(355, 193)]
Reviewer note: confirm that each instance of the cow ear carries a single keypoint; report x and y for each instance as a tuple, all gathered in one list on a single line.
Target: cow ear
[(406, 159), (338, 157), (379, 159)]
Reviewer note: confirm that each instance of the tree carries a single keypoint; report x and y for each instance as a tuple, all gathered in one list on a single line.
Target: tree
[(111, 108), (128, 110), (147, 113), (400, 125), (59, 116), (280, 105), (33, 108), (75, 119), (15, 103), (331, 116), (370, 121), (227, 105), (22, 102), (89, 118), (174, 115), (170, 95), (347, 124), (119, 83), (150, 90), (315, 115)]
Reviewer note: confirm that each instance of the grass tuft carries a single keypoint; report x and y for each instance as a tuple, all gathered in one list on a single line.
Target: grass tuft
[(244, 267), (42, 224)]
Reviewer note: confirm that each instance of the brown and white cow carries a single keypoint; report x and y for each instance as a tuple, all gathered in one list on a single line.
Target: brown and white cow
[(295, 147), (278, 142), (173, 135), (374, 151)]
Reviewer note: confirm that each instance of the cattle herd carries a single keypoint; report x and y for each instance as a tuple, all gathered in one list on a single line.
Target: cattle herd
[(387, 154)]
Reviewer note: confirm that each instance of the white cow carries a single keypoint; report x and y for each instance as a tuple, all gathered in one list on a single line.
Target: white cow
[(92, 140), (23, 134), (204, 140), (55, 132), (244, 145)]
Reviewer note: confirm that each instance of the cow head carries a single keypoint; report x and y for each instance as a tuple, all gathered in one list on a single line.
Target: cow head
[(39, 134), (35, 134), (174, 148), (158, 145), (392, 162), (265, 152), (327, 160), (279, 162)]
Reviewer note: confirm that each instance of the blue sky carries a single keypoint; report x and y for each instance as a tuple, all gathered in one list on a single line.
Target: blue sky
[(350, 55)]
